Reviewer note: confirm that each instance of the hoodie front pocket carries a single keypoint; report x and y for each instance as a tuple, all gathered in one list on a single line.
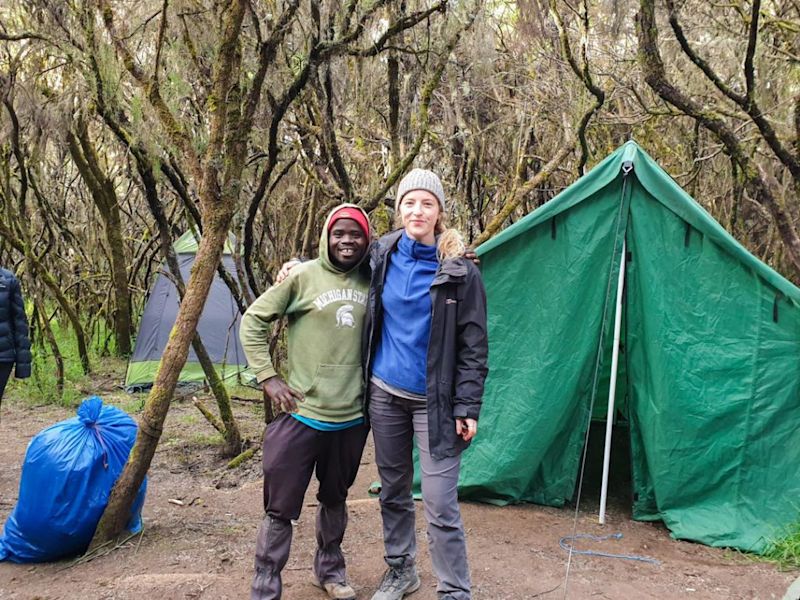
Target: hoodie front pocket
[(336, 387)]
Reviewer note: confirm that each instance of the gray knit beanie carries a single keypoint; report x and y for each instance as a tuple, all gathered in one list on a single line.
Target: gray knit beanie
[(420, 179)]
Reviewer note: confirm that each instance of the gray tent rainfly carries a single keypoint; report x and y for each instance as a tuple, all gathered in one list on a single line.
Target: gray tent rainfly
[(218, 326)]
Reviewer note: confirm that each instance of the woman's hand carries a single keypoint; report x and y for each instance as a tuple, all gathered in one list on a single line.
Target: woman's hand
[(282, 396), (285, 268), (466, 428)]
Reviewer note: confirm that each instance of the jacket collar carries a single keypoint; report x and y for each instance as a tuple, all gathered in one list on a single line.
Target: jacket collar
[(450, 270), (389, 241), (416, 250)]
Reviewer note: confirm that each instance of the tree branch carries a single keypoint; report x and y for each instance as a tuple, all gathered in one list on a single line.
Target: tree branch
[(265, 59), (397, 27), (24, 35), (175, 132), (752, 40), (583, 73), (656, 78), (424, 104), (747, 103), (162, 28), (518, 195)]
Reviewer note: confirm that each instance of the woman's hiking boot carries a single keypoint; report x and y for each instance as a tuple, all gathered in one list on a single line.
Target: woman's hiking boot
[(397, 583)]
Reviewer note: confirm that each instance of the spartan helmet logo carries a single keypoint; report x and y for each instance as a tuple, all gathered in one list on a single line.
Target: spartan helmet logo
[(344, 316)]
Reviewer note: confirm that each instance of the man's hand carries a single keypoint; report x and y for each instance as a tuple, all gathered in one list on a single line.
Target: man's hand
[(285, 268), (281, 395), (466, 428), (469, 254)]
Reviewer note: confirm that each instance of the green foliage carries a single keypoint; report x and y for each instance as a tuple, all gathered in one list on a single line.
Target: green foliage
[(381, 220), (41, 387), (189, 419), (130, 403), (206, 439), (785, 551), (137, 110)]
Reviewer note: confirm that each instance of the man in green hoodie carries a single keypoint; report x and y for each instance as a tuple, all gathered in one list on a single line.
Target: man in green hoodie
[(322, 425)]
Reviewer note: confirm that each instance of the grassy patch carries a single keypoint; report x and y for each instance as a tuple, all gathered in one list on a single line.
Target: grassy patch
[(785, 551), (188, 419), (130, 403), (206, 439), (41, 388)]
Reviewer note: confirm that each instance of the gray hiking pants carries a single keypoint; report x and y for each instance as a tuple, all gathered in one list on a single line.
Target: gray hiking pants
[(395, 422)]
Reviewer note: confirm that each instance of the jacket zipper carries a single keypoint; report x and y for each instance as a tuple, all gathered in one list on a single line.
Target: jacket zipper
[(374, 319)]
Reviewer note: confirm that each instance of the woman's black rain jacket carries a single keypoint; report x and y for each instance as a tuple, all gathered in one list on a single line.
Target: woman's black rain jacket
[(457, 347)]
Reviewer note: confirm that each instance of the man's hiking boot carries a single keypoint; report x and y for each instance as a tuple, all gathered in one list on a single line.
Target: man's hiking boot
[(397, 583), (336, 590)]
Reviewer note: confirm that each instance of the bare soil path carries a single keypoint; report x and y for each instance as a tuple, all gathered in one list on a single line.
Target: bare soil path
[(204, 548)]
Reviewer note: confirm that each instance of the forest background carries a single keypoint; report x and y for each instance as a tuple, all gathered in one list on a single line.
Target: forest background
[(126, 123)]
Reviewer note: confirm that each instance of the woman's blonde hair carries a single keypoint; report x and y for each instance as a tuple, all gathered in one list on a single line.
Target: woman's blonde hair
[(451, 243)]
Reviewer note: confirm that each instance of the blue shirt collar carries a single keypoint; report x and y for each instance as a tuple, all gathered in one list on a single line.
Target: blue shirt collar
[(416, 250)]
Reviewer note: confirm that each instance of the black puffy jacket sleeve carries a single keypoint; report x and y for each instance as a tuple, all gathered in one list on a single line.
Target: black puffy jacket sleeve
[(19, 325)]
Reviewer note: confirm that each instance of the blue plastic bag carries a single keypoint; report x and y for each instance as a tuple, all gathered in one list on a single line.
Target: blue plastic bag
[(67, 476)]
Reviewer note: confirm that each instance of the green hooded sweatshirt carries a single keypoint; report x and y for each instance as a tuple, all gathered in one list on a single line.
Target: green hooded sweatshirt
[(326, 308)]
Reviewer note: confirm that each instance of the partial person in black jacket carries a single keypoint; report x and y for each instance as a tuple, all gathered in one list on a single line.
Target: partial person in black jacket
[(425, 352), (15, 347)]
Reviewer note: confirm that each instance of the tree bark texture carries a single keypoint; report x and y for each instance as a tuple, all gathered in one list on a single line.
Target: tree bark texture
[(227, 138), (157, 404), (101, 189)]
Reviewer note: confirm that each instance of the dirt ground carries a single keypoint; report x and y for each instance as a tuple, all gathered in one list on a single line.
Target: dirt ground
[(204, 548)]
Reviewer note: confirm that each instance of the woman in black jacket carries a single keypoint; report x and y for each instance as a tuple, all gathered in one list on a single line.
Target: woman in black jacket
[(15, 348), (425, 355)]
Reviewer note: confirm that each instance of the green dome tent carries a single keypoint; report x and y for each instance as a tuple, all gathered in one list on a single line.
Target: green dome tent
[(218, 326), (709, 369)]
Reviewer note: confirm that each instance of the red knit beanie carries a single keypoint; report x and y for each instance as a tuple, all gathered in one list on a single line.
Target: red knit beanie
[(349, 212)]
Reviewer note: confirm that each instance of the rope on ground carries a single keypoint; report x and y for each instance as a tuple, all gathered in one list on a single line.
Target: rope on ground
[(567, 542)]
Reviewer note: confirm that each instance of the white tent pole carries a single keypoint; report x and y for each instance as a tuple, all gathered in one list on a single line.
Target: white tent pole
[(612, 388)]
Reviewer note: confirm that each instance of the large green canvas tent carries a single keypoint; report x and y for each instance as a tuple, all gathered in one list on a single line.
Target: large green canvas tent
[(710, 361), (218, 326)]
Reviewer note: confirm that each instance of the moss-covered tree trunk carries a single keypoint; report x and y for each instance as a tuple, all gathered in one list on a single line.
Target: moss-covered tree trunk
[(218, 184), (123, 326), (101, 189), (151, 422), (230, 430)]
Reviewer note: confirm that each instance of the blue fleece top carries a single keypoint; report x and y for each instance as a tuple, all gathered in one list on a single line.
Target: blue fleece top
[(401, 357)]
